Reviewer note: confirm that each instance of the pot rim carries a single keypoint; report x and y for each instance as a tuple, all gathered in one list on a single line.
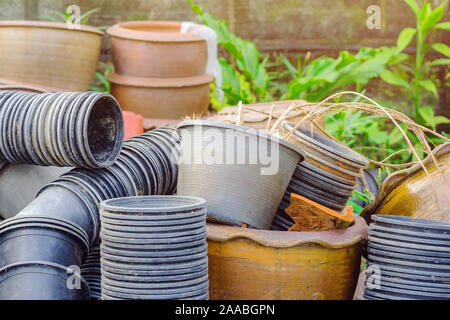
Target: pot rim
[(225, 125), (48, 25), (283, 239), (146, 82), (122, 30), (350, 156)]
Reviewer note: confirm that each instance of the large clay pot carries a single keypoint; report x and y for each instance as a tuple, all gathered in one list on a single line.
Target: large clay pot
[(172, 98), (261, 264), (49, 54), (157, 49), (413, 193)]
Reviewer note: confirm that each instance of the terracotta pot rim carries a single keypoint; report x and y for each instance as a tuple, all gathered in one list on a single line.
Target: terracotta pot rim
[(10, 84), (283, 239), (130, 81), (48, 25), (124, 30)]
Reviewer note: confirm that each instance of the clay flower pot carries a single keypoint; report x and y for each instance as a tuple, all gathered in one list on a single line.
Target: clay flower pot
[(49, 54), (172, 98), (157, 49), (275, 265)]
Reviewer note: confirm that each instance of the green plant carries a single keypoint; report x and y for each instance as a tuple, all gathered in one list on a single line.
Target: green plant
[(100, 83), (67, 16), (417, 79), (244, 74), (313, 80)]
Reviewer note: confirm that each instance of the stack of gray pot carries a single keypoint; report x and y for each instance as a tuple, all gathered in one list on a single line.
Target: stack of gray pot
[(328, 175), (154, 247), (408, 259), (91, 271), (56, 230)]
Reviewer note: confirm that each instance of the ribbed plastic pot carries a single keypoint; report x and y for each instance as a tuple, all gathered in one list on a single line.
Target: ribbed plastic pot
[(159, 269), (52, 240), (37, 280), (26, 180), (72, 129), (75, 196), (80, 191), (412, 256), (157, 49), (45, 53), (238, 188), (90, 270), (325, 153), (171, 98), (271, 265)]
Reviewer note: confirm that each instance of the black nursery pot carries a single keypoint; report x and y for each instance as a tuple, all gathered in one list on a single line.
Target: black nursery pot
[(37, 280), (32, 239)]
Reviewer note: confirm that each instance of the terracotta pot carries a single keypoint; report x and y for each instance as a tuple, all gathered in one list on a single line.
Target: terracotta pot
[(172, 98), (157, 49), (49, 54), (261, 264), (133, 123), (12, 85)]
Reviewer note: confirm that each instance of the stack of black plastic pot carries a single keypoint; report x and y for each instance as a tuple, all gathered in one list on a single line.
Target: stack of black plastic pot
[(408, 259), (154, 247), (86, 133), (328, 175), (91, 271)]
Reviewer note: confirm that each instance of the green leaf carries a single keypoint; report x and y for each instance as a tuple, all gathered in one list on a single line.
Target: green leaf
[(440, 62), (404, 39), (434, 17), (392, 78), (442, 48), (414, 7), (428, 85), (430, 119), (443, 25), (395, 137)]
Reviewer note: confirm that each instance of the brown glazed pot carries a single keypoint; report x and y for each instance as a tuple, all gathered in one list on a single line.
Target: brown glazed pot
[(413, 193), (157, 49), (49, 54), (277, 265), (172, 98)]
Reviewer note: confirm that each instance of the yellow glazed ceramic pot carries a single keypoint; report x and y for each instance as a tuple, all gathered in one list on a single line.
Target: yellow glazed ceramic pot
[(413, 193), (262, 264)]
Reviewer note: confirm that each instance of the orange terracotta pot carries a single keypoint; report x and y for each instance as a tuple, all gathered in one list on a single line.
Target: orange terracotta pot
[(133, 123), (262, 264), (49, 54), (157, 49), (162, 98)]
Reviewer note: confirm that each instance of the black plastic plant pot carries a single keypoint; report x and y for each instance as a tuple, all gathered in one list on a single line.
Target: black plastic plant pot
[(408, 273), (412, 252), (74, 129), (414, 286), (407, 294), (157, 268), (41, 281), (40, 239), (418, 225), (66, 202), (418, 258)]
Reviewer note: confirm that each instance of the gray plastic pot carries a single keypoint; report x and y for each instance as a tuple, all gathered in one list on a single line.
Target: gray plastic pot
[(237, 192), (26, 180)]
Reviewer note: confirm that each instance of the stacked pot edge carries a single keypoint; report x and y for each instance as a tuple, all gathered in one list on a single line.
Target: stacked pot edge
[(328, 175), (160, 72), (154, 247), (408, 259)]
